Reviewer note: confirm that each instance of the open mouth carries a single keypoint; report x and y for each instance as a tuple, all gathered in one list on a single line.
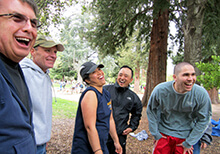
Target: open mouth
[(23, 41), (122, 81), (188, 84), (101, 77)]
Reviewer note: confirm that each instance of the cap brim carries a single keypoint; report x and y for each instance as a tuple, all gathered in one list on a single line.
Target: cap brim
[(92, 69), (100, 66), (60, 47)]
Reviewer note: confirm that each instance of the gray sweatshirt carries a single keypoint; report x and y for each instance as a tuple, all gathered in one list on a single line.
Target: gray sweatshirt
[(179, 115), (40, 88)]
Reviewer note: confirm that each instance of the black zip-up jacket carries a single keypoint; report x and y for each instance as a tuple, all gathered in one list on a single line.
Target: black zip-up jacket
[(124, 103)]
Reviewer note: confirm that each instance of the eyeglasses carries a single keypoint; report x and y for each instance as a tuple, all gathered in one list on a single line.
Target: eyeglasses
[(21, 19)]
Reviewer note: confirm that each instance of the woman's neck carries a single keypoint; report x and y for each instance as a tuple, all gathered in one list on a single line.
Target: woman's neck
[(100, 89)]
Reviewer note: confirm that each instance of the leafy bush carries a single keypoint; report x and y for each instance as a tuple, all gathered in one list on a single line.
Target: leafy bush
[(210, 77)]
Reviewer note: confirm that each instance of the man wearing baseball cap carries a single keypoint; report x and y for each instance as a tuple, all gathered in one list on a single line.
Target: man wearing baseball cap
[(36, 71)]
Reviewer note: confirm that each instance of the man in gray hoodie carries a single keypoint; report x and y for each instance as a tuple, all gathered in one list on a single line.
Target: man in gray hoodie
[(39, 84)]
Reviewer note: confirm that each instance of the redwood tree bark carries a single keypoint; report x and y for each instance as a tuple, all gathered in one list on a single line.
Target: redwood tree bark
[(156, 72), (137, 79), (213, 93), (193, 32)]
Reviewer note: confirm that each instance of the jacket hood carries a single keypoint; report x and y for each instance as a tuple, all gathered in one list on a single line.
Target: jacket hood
[(28, 63)]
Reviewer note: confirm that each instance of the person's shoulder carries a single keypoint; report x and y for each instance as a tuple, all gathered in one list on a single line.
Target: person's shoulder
[(163, 85), (132, 92), (90, 91), (108, 86), (26, 61), (199, 89), (106, 92)]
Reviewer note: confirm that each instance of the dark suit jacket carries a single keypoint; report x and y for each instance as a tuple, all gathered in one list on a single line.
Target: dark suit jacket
[(16, 127)]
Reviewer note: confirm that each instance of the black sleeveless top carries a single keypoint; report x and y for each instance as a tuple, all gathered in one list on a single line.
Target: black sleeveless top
[(81, 143)]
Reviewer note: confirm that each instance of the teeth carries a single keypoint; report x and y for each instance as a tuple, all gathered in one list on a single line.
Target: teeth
[(23, 39), (189, 84)]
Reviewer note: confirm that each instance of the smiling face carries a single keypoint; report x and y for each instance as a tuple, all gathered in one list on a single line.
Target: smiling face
[(184, 79), (96, 78), (16, 40), (44, 57), (124, 77)]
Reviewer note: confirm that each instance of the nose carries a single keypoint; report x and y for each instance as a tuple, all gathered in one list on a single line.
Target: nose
[(122, 77), (53, 54), (100, 71), (190, 77), (29, 28)]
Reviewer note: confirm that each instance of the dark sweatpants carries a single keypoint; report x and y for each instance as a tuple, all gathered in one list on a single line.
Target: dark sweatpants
[(111, 147)]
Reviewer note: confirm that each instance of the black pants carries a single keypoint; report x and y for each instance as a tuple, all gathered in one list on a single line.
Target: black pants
[(111, 147)]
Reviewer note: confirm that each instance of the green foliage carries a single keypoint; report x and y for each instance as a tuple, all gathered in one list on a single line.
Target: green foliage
[(50, 12), (133, 54), (179, 57), (210, 30), (111, 68), (210, 77), (64, 108), (115, 22), (60, 71), (76, 50), (121, 29), (63, 68)]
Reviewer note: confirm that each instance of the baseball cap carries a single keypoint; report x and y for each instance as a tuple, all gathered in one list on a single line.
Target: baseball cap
[(47, 43), (88, 67)]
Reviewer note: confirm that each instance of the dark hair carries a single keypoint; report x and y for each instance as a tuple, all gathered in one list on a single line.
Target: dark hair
[(179, 66), (86, 77), (32, 4), (126, 66)]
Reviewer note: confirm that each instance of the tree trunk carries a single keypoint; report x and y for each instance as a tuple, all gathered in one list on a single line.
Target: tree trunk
[(156, 72), (193, 32), (137, 79), (213, 93)]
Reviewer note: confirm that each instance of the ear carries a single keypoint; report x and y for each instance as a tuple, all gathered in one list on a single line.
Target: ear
[(87, 81), (131, 80), (174, 77), (32, 51)]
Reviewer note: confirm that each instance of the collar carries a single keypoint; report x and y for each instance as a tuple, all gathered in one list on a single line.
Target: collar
[(119, 88), (8, 61)]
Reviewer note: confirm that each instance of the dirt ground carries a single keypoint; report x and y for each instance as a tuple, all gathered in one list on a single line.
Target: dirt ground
[(62, 134)]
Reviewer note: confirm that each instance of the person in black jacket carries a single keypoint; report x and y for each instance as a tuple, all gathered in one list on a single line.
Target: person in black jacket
[(124, 103)]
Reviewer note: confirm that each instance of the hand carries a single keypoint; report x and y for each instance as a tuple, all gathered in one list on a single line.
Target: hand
[(127, 131), (203, 145), (118, 148), (185, 150)]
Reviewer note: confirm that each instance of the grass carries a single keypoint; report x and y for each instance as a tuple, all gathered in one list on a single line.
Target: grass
[(58, 85), (63, 109)]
